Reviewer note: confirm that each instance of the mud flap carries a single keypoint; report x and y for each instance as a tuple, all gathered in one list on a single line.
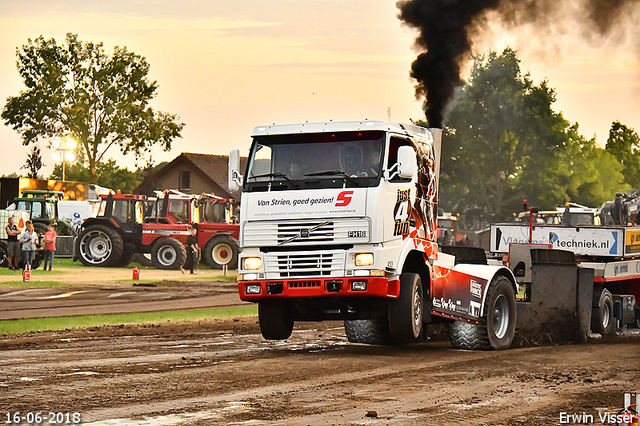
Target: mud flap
[(559, 305)]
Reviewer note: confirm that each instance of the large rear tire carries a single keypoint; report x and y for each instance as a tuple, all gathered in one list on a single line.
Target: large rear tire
[(143, 259), (602, 320), (497, 326), (406, 312), (220, 251), (4, 259), (370, 332), (126, 259), (276, 322), (100, 246), (168, 253), (37, 260)]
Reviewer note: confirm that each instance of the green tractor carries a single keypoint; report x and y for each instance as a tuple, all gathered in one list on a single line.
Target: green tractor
[(43, 208)]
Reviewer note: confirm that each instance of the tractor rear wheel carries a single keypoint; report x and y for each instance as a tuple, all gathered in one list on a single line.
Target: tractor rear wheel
[(220, 251), (143, 259), (168, 253), (100, 245), (4, 259)]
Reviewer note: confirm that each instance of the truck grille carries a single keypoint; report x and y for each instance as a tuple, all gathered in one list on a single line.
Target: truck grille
[(297, 265), (319, 232), (304, 264), (305, 232)]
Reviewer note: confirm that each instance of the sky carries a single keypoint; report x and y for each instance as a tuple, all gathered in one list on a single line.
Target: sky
[(227, 66)]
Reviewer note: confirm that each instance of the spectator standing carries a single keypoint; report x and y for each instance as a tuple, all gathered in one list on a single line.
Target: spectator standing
[(13, 248), (192, 248), (29, 240), (49, 246)]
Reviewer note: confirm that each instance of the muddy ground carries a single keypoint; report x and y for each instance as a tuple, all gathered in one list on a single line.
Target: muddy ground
[(224, 373)]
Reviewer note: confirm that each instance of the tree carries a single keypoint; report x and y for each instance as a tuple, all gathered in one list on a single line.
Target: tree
[(501, 123), (34, 162), (77, 90), (109, 175), (505, 143), (624, 144)]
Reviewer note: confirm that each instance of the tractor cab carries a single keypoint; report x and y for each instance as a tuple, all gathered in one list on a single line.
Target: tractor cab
[(215, 209), (42, 206), (126, 211)]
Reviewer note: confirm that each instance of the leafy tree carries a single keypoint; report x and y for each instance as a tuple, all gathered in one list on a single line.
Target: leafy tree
[(77, 90), (624, 144), (34, 162), (109, 175), (505, 143), (501, 123)]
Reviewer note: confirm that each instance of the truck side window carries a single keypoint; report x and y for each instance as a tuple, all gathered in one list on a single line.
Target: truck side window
[(394, 144)]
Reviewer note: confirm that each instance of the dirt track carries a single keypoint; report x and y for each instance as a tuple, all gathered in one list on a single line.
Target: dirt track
[(223, 372)]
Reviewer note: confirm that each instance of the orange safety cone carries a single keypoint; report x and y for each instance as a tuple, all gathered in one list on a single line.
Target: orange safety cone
[(136, 273), (26, 276)]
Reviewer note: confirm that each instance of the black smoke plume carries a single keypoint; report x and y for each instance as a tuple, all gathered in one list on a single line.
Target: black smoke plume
[(446, 29)]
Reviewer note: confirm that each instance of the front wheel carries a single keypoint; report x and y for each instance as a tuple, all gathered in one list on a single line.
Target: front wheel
[(405, 313), (496, 328), (275, 319), (168, 253)]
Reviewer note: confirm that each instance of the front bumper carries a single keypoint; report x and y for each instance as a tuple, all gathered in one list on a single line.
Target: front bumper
[(318, 287)]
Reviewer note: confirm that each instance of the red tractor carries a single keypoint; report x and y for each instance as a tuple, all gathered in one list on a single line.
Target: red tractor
[(130, 224)]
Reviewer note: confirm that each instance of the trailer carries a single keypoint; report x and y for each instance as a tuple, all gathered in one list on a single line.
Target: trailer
[(610, 255)]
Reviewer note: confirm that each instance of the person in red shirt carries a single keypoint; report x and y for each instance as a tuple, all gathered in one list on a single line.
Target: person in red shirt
[(49, 246)]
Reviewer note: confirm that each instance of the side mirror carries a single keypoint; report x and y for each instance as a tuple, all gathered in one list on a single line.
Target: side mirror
[(407, 162), (235, 178)]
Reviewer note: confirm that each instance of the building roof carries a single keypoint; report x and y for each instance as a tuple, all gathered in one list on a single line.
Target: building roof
[(212, 167)]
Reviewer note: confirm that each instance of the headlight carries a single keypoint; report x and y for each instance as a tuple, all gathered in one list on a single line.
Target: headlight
[(252, 289), (251, 263), (364, 259)]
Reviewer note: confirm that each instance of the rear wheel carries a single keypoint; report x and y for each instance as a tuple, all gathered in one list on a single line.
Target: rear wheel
[(4, 258), (100, 246), (143, 259), (168, 253), (126, 259), (276, 322), (405, 313), (221, 251), (497, 326), (370, 332), (37, 260), (602, 312)]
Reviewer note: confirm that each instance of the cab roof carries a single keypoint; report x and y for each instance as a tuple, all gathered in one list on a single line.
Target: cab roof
[(341, 126)]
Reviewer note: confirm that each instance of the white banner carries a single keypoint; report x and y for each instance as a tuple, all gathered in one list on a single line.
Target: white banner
[(304, 204), (590, 241)]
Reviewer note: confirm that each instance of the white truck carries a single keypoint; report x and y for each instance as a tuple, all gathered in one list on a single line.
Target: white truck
[(338, 221)]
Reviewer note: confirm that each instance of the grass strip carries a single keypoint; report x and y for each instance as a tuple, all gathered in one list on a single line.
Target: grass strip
[(31, 325)]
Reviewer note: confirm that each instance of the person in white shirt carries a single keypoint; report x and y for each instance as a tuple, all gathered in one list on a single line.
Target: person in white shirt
[(29, 241)]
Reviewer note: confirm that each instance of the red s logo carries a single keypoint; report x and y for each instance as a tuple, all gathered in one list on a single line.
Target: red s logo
[(344, 198)]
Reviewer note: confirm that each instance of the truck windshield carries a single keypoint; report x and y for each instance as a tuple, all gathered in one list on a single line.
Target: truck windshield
[(315, 160)]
